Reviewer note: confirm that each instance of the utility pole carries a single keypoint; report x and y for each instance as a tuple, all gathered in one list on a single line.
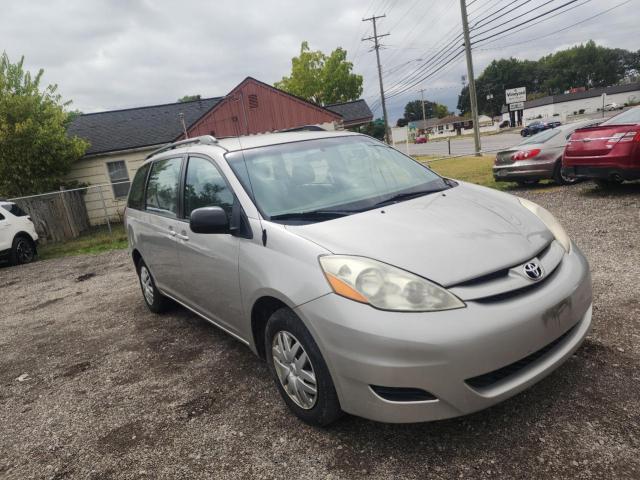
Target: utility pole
[(376, 46), (472, 81), (424, 117)]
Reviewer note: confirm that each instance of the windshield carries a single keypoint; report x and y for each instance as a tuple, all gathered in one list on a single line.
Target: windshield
[(629, 117), (340, 175), (540, 137)]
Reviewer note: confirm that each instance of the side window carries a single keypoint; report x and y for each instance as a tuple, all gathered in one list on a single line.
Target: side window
[(119, 177), (1, 217), (136, 195), (162, 187), (205, 187), (14, 210)]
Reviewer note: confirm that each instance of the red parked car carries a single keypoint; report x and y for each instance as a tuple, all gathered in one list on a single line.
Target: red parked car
[(608, 153)]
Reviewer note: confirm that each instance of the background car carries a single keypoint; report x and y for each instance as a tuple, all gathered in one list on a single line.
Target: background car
[(18, 237), (538, 126), (421, 139), (538, 157), (608, 153), (612, 106)]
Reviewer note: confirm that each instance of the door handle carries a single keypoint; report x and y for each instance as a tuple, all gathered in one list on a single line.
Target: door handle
[(182, 236), (172, 232)]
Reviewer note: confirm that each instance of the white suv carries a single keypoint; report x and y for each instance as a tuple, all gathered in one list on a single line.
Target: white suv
[(18, 237)]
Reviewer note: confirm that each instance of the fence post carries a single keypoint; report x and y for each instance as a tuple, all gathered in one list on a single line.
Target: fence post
[(70, 221), (449, 144), (104, 207)]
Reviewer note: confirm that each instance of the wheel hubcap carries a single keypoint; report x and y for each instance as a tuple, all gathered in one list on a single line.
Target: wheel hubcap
[(24, 251), (294, 370), (147, 285)]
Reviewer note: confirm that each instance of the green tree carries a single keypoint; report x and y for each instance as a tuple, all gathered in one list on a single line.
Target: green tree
[(322, 79), (189, 98), (35, 151), (413, 110), (374, 129)]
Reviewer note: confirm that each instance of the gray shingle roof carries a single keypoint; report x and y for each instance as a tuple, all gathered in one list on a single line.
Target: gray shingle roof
[(137, 127), (355, 112), (594, 92)]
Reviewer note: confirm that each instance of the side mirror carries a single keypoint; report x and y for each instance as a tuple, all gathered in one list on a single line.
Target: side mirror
[(209, 220)]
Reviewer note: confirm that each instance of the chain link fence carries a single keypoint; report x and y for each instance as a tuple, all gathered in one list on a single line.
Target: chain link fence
[(68, 213)]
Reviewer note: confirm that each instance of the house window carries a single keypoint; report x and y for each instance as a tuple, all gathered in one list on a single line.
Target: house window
[(119, 177)]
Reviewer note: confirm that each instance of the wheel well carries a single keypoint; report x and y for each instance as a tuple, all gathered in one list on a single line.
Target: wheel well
[(136, 258), (260, 313), (26, 236)]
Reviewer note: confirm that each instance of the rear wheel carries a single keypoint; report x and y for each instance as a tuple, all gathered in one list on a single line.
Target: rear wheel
[(23, 250), (156, 302), (608, 182), (299, 371), (560, 178), (527, 183)]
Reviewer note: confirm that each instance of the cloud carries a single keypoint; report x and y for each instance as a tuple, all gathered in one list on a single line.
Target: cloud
[(107, 54)]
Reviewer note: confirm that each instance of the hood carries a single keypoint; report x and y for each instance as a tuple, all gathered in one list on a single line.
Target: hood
[(448, 237)]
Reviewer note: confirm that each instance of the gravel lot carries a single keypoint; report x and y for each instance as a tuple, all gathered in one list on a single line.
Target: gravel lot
[(109, 390)]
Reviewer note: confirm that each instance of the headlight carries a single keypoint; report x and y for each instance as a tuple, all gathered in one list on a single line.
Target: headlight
[(383, 286), (550, 221)]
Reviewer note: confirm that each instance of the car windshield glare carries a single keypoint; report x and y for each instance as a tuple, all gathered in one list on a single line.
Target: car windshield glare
[(626, 118), (344, 174)]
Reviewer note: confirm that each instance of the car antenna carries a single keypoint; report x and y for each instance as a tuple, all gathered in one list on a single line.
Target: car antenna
[(244, 160)]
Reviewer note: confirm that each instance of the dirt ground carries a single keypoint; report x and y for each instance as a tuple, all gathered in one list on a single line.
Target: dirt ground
[(93, 386)]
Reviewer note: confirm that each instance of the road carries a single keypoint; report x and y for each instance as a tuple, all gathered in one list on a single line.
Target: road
[(464, 146), (93, 386)]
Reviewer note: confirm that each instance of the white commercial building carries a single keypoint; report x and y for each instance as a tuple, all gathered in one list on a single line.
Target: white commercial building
[(564, 107)]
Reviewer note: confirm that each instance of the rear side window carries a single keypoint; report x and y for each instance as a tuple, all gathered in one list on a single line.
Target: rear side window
[(162, 187), (136, 195), (14, 210)]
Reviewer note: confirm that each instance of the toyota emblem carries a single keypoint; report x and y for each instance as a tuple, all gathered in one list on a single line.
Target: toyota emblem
[(533, 271)]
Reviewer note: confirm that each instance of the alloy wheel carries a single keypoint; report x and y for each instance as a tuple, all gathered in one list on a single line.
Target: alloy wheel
[(24, 251), (294, 369), (147, 284)]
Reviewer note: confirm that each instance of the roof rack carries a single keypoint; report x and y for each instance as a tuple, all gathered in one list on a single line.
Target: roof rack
[(304, 128), (203, 140)]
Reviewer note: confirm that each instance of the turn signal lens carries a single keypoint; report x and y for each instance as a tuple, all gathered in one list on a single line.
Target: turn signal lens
[(384, 286), (525, 154)]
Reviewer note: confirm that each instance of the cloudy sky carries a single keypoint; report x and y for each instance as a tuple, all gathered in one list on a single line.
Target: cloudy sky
[(108, 54)]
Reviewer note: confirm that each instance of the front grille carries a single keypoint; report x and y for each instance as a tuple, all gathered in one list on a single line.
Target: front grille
[(401, 394), (489, 379)]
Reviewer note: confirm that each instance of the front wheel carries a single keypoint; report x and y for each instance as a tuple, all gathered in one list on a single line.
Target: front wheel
[(23, 250), (299, 371)]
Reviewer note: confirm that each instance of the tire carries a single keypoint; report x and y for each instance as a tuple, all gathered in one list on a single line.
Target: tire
[(527, 183), (23, 250), (607, 182), (561, 179), (284, 329), (155, 301)]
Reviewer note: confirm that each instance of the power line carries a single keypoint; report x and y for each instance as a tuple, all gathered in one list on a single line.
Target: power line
[(486, 20)]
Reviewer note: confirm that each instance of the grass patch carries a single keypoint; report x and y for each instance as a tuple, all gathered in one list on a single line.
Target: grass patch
[(96, 240), (469, 169)]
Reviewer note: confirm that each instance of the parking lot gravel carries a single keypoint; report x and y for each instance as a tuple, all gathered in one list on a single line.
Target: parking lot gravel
[(94, 386)]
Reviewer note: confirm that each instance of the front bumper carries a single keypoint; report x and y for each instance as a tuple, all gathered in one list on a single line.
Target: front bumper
[(524, 170), (440, 351)]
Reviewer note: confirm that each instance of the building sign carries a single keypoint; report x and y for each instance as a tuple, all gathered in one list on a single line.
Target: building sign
[(515, 95), (516, 106)]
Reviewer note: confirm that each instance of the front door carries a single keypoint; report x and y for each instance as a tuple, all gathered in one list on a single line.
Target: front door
[(209, 262), (158, 224)]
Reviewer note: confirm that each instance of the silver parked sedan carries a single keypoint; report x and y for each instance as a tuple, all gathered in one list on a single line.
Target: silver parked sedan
[(368, 283), (539, 157)]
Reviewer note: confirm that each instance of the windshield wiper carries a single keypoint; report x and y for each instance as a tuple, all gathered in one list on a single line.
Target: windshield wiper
[(313, 215), (407, 196)]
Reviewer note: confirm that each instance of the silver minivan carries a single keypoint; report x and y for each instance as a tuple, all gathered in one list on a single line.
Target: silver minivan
[(368, 283)]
